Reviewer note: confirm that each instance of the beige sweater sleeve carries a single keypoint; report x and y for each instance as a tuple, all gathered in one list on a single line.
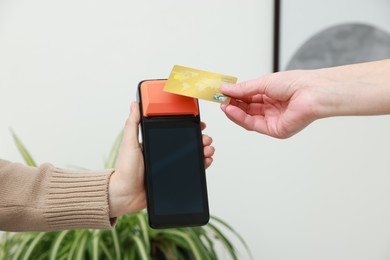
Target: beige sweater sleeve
[(48, 198)]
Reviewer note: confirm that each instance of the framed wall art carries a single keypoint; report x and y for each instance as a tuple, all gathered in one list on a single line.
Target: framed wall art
[(316, 34)]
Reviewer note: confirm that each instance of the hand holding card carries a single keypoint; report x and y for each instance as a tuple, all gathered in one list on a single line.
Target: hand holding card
[(198, 84)]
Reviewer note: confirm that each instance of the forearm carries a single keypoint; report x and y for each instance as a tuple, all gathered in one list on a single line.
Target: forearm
[(47, 198), (360, 89)]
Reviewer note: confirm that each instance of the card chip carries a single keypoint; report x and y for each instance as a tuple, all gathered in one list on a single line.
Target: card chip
[(220, 97)]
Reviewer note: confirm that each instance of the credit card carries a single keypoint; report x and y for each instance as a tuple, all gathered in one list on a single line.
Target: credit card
[(198, 84)]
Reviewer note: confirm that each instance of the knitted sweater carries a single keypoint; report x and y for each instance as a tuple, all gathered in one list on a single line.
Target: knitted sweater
[(47, 198)]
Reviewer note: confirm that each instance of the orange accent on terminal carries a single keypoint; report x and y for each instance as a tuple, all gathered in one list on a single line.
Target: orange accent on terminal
[(157, 102)]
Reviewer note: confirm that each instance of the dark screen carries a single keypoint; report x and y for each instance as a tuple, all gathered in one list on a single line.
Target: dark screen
[(175, 155)]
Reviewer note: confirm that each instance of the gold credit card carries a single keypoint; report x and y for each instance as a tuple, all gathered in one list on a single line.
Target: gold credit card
[(198, 84)]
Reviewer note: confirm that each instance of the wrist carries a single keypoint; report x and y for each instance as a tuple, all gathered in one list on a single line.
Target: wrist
[(335, 93), (117, 200), (123, 197)]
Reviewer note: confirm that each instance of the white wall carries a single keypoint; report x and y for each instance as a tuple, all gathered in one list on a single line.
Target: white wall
[(68, 71)]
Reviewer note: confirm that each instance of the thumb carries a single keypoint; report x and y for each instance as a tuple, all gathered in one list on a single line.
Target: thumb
[(245, 89), (130, 134)]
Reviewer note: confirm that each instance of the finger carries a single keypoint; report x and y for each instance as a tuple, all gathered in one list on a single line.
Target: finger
[(202, 125), (242, 105), (207, 162), (257, 98), (207, 140), (249, 122), (246, 88), (251, 108), (223, 107), (208, 151), (130, 134)]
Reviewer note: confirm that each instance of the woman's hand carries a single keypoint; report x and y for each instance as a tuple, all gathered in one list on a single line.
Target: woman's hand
[(126, 188)]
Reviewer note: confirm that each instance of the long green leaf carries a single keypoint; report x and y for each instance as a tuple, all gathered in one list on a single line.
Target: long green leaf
[(56, 244), (32, 246), (169, 250), (190, 242), (223, 223), (126, 256), (65, 248), (95, 244), (173, 239), (144, 229), (132, 253), (116, 244), (22, 246), (13, 242), (4, 243), (211, 246), (22, 149), (62, 257), (81, 249), (141, 248), (111, 161), (44, 255), (223, 239), (105, 250), (199, 243), (77, 237)]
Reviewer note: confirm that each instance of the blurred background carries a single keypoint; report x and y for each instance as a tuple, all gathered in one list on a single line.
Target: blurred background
[(69, 71)]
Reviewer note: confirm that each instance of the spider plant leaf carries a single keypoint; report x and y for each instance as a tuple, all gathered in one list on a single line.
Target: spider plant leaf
[(224, 240), (33, 244), (199, 243), (113, 156), (144, 230), (22, 149), (44, 255), (22, 247), (65, 248), (226, 225), (116, 244), (126, 256), (105, 250), (175, 240), (56, 244), (132, 253), (195, 250), (165, 250), (95, 244), (77, 237), (14, 240), (143, 254), (200, 234), (62, 257), (175, 251), (82, 245), (213, 254), (4, 245)]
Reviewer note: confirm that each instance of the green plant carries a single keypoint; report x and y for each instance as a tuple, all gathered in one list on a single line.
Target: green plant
[(131, 239)]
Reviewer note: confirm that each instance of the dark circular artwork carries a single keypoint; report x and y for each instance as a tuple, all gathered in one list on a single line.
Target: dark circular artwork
[(340, 45)]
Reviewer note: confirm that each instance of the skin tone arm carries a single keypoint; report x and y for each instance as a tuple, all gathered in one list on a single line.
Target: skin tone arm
[(282, 104), (126, 188)]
